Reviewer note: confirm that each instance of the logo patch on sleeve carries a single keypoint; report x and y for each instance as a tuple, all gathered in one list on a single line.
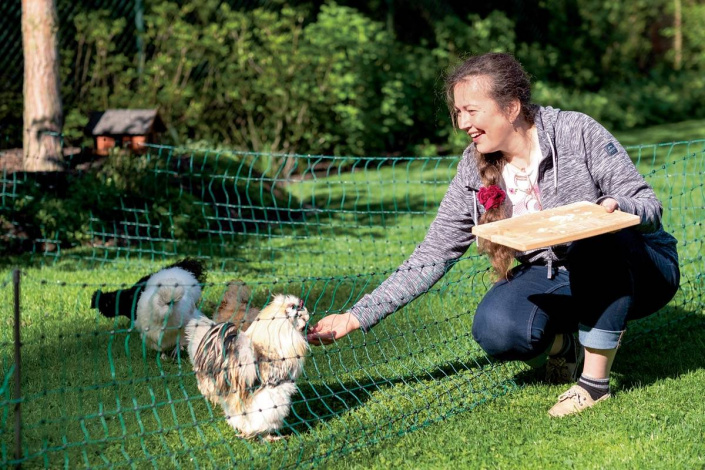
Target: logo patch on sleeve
[(611, 149)]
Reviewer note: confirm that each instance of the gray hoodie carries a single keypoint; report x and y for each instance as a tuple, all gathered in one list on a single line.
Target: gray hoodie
[(581, 161)]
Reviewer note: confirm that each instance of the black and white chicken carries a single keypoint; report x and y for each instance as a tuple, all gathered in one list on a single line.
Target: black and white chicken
[(160, 304)]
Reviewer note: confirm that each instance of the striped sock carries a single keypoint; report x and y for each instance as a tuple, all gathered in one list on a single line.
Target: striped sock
[(597, 388)]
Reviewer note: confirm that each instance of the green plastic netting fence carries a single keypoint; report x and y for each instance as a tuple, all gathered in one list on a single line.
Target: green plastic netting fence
[(327, 229)]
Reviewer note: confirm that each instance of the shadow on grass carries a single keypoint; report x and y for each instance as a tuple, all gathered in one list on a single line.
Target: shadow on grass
[(336, 411), (667, 352), (331, 399), (111, 365), (335, 417), (668, 348)]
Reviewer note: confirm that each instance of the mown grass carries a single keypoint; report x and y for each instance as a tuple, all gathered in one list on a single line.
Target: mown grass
[(675, 132), (416, 391), (653, 420)]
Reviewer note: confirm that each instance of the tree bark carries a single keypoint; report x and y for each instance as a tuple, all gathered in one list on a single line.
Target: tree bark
[(43, 116)]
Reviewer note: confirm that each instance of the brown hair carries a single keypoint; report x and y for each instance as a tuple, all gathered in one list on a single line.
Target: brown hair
[(508, 82)]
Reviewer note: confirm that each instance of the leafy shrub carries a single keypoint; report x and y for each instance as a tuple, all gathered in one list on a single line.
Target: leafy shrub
[(133, 198), (323, 78)]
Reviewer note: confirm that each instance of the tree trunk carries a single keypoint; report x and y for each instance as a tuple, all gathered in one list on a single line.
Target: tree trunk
[(43, 117)]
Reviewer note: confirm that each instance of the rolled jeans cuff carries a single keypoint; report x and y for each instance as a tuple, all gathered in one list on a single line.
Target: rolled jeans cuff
[(599, 339)]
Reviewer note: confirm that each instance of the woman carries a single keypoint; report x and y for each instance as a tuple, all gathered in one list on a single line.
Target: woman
[(524, 158)]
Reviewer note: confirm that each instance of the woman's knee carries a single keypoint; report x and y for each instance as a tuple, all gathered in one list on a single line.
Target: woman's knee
[(508, 324), (499, 334)]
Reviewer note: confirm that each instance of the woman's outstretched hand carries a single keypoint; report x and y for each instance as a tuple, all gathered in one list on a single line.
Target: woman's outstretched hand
[(331, 328)]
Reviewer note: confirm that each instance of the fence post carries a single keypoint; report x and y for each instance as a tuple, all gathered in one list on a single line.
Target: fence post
[(18, 376)]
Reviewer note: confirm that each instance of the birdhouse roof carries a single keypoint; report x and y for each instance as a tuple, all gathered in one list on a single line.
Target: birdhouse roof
[(125, 122)]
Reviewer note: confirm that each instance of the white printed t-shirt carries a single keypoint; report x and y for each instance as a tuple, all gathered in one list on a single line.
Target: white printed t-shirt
[(522, 183)]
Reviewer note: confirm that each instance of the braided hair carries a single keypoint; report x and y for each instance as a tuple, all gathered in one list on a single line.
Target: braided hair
[(508, 82)]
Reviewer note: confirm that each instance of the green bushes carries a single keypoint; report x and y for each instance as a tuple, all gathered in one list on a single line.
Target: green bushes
[(328, 78), (128, 200), (646, 102), (259, 80)]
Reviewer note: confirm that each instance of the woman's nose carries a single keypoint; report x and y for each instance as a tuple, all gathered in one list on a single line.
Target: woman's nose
[(464, 121)]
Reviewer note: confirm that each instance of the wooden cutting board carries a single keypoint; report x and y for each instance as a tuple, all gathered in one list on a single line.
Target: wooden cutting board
[(555, 226)]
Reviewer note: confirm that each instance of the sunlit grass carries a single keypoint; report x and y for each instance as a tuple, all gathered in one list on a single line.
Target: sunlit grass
[(94, 395), (675, 132)]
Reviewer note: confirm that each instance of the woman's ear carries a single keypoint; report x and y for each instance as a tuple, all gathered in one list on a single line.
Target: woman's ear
[(514, 110)]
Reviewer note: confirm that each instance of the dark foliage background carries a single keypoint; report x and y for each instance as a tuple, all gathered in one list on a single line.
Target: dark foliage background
[(355, 77)]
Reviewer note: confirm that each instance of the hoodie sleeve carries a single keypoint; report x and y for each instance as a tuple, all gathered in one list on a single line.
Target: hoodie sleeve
[(616, 175), (447, 239)]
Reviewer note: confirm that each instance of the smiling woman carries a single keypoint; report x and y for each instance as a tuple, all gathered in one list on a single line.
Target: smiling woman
[(543, 158), (490, 96)]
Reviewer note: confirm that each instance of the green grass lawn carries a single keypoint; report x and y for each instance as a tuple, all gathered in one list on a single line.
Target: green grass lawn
[(416, 391), (652, 421), (675, 132)]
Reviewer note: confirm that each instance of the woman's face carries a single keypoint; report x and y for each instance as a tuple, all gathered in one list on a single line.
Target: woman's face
[(489, 127)]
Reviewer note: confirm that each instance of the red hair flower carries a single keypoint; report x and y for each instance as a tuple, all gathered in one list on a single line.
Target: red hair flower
[(491, 197)]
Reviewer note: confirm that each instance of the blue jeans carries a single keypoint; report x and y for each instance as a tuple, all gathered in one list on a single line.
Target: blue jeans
[(610, 279)]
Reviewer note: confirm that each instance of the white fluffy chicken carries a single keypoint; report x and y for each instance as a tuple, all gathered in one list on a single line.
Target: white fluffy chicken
[(160, 303), (251, 373)]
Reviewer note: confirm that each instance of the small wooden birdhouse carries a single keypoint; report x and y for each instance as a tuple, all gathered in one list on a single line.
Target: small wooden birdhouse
[(124, 128)]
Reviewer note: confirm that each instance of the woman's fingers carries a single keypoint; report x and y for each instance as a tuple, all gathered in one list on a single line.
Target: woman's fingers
[(332, 327)]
